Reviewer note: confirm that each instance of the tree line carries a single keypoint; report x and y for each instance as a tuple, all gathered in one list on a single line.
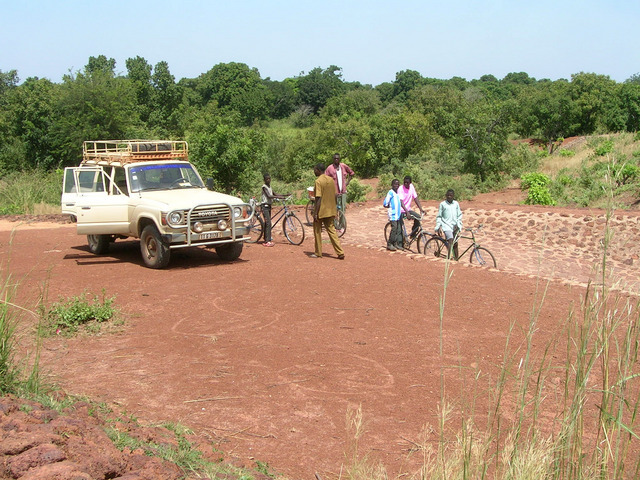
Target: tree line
[(239, 124)]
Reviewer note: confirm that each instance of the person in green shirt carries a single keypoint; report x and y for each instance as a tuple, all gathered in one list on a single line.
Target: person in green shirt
[(325, 212)]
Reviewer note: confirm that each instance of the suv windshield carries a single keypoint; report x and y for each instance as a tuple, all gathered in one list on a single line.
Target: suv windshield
[(164, 177)]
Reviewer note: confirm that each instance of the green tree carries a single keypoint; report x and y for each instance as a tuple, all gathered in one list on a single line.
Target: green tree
[(547, 111), (406, 80), (139, 72), (100, 64), (165, 100), (445, 106), (227, 152), (318, 86), (8, 80), (635, 78), (91, 105), (630, 102), (589, 91), (486, 127), (32, 119), (281, 98), (354, 103), (236, 87)]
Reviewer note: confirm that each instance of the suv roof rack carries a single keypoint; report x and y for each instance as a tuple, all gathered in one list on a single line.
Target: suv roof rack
[(108, 152)]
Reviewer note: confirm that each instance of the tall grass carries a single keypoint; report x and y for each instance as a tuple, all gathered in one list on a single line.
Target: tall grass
[(36, 192), (16, 375), (568, 409)]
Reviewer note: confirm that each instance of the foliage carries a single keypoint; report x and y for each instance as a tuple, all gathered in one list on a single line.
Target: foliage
[(22, 192), (357, 191), (566, 153), (318, 86), (604, 147), (538, 192), (534, 178), (227, 152), (519, 159), (240, 124), (67, 317)]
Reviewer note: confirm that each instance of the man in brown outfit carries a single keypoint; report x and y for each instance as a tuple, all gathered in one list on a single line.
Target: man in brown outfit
[(325, 212)]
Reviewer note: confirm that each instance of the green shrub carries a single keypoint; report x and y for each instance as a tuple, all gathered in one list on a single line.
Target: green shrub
[(356, 191), (626, 174), (528, 180), (566, 153), (519, 159), (604, 148), (539, 195), (68, 316)]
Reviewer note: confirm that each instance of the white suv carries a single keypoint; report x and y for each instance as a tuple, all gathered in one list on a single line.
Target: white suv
[(147, 189)]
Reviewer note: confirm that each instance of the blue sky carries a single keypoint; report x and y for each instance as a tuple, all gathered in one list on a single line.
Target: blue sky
[(370, 40)]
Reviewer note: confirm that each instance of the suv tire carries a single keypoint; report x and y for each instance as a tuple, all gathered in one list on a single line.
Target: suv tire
[(98, 244), (229, 251), (155, 253)]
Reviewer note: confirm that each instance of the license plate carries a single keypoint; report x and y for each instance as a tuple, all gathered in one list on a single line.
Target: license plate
[(210, 235)]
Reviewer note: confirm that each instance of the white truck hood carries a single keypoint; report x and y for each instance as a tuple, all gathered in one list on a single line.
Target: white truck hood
[(186, 198)]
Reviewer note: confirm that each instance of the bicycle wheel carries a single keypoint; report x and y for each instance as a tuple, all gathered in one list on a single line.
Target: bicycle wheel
[(340, 222), (308, 212), (293, 229), (483, 257), (387, 231), (256, 228), (436, 247), (421, 241)]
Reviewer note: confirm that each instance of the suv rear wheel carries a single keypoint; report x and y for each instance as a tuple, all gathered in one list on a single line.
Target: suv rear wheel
[(98, 244)]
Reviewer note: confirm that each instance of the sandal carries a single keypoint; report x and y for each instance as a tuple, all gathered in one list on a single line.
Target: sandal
[(268, 244)]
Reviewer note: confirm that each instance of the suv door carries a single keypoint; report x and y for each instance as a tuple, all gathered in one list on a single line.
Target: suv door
[(86, 194)]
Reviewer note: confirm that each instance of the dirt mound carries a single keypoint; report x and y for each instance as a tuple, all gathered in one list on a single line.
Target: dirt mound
[(37, 443)]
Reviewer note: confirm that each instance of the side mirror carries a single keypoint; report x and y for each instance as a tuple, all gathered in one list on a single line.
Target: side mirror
[(210, 183)]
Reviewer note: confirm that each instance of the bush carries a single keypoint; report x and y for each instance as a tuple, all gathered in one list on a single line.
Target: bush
[(604, 148), (528, 180), (356, 191), (566, 153), (68, 316), (519, 159), (538, 193)]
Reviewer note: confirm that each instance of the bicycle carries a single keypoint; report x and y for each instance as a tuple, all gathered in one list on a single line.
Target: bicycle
[(421, 237), (340, 222), (438, 247), (291, 225)]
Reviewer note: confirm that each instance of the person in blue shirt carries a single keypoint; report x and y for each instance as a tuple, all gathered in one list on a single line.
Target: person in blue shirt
[(394, 204)]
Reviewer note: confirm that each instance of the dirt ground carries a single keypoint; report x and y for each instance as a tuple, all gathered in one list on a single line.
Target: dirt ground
[(265, 356)]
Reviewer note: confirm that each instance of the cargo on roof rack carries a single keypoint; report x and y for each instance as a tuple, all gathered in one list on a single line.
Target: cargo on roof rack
[(107, 152)]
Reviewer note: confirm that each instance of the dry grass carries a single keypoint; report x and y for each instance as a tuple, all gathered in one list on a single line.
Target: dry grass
[(583, 147)]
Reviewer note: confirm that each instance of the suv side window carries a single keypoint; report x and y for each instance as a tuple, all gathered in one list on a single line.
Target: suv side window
[(120, 179)]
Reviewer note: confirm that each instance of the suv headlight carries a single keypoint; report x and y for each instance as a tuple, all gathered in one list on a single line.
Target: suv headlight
[(237, 212), (175, 218)]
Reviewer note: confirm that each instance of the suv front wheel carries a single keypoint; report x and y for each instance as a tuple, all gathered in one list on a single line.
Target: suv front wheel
[(229, 251), (155, 253)]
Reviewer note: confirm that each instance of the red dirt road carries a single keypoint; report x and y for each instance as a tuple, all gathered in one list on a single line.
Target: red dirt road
[(265, 356)]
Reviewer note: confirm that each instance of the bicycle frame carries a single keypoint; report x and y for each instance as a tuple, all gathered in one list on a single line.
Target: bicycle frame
[(474, 244), (277, 216)]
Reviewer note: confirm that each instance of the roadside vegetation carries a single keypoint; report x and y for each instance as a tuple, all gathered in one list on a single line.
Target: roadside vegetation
[(22, 376), (454, 133), (567, 408)]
